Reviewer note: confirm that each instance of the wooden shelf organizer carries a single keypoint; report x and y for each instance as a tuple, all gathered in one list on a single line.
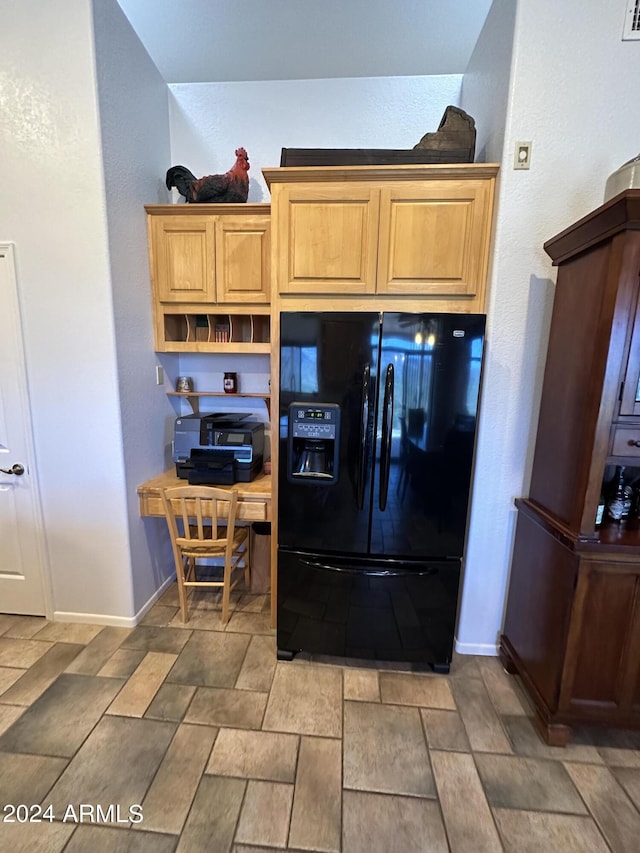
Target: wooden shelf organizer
[(193, 398), (217, 331)]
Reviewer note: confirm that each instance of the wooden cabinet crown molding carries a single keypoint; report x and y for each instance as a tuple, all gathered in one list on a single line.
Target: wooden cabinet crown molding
[(621, 213), (411, 172), (208, 209)]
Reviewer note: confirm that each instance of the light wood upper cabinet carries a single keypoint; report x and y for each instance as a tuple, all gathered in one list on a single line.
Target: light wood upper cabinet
[(420, 230), (182, 258), (243, 259), (217, 254), (329, 235), (210, 274), (433, 238)]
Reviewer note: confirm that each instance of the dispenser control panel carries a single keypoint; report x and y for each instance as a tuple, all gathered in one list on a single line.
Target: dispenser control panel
[(313, 446), (318, 422)]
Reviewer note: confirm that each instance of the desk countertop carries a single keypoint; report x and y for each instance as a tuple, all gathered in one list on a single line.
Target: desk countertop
[(254, 498)]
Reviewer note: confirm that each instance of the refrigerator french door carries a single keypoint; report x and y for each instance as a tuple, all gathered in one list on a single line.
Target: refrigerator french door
[(377, 425)]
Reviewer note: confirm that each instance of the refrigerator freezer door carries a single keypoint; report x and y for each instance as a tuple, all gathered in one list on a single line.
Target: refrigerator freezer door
[(429, 376), (354, 608), (328, 358)]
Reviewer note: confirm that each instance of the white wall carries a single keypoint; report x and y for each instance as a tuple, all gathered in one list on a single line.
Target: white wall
[(134, 122), (210, 120), (52, 205), (574, 94), (487, 81)]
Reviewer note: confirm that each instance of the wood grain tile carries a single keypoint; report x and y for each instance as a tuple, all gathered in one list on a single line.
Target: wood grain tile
[(137, 694), (422, 690), (6, 621), (469, 826), (58, 721), (361, 685), (213, 817), (483, 726), (21, 653), (216, 706), (629, 778), (618, 747), (122, 663), (209, 659), (43, 672), (27, 778), (534, 832), (151, 638), (8, 715), (264, 818), (160, 615), (502, 688), (385, 750), (36, 837), (532, 784), (259, 665), (378, 822), (68, 632), (617, 818), (167, 803), (202, 619), (317, 801), (24, 627), (250, 623), (96, 653), (269, 756), (444, 730), (305, 699), (115, 765), (104, 839), (527, 741), (171, 702), (8, 676)]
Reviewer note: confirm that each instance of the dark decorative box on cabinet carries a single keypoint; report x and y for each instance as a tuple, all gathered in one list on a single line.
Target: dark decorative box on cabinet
[(572, 625)]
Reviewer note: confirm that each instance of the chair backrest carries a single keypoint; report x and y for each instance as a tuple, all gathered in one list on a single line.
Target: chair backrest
[(194, 511)]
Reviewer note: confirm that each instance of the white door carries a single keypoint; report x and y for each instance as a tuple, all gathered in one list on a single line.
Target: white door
[(22, 568)]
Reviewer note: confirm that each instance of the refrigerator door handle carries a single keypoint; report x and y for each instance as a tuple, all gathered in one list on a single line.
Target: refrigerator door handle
[(385, 449), (372, 571), (364, 431)]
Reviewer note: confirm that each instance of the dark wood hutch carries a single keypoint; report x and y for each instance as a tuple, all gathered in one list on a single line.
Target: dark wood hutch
[(572, 625)]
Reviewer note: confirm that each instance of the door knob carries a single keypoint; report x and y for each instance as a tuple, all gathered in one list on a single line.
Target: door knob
[(16, 469)]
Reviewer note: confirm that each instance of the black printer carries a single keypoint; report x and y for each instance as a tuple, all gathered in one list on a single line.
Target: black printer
[(218, 449)]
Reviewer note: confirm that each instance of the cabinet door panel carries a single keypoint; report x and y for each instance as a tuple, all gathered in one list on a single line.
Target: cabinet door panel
[(605, 621), (243, 258), (434, 238), (183, 259), (330, 235)]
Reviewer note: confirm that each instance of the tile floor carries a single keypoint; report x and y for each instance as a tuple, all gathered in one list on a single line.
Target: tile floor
[(220, 748)]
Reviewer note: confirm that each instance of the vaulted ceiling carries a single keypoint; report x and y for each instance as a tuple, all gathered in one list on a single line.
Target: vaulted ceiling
[(197, 41)]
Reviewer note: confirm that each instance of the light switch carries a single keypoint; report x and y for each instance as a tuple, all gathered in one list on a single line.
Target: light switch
[(522, 158)]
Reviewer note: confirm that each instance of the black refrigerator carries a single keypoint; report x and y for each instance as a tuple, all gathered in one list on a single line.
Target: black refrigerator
[(377, 425)]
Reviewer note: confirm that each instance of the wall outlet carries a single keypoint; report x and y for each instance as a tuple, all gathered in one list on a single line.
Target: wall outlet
[(522, 157), (159, 374)]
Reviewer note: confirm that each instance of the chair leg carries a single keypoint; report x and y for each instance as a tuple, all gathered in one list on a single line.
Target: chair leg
[(182, 593), (247, 562), (225, 602), (226, 590)]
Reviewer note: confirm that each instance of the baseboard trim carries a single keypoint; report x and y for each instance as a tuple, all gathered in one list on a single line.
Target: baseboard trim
[(116, 621), (486, 649)]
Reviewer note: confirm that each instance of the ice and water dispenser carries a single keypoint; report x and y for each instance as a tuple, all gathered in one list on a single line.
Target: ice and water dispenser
[(313, 443)]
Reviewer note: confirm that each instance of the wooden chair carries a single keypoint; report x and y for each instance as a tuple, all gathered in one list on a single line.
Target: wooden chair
[(202, 525)]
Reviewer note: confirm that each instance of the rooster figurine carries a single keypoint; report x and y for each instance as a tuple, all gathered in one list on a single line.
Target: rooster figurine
[(233, 186)]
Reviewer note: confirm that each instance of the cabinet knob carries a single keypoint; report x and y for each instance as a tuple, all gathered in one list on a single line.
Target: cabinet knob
[(633, 443)]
